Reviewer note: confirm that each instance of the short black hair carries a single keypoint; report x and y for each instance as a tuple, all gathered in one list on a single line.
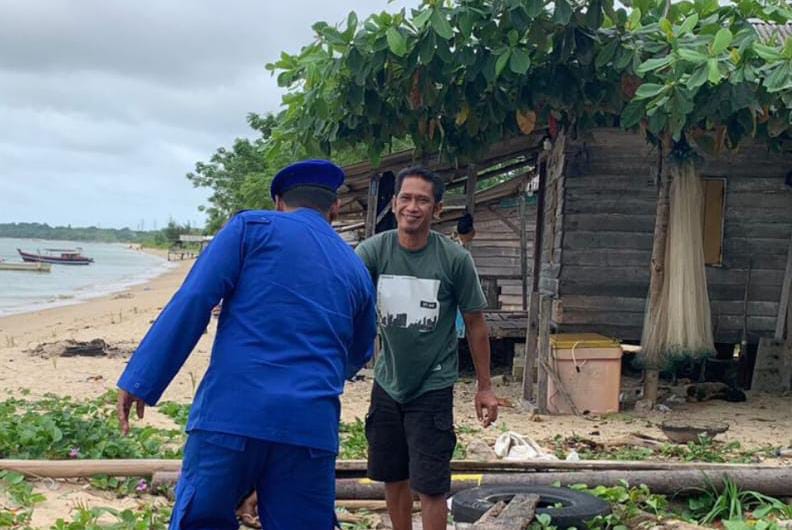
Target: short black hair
[(465, 224), (438, 186), (314, 197)]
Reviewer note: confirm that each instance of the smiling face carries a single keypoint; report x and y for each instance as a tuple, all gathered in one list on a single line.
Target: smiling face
[(414, 206)]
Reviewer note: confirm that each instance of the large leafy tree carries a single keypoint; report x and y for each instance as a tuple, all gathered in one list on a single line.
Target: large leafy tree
[(238, 176), (459, 76)]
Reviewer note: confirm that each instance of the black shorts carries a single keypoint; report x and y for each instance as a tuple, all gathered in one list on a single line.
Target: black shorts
[(413, 440)]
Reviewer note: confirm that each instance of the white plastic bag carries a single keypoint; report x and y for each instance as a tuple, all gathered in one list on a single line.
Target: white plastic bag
[(514, 446)]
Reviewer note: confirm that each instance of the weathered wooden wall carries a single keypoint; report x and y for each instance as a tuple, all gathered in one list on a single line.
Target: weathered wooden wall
[(608, 219), (496, 247)]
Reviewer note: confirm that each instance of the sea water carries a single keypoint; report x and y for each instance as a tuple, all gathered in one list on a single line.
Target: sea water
[(115, 268)]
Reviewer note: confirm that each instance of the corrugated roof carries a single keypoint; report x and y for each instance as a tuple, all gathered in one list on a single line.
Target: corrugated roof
[(777, 32)]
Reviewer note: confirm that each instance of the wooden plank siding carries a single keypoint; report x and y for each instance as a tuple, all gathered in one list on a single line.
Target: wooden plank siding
[(608, 222), (496, 247)]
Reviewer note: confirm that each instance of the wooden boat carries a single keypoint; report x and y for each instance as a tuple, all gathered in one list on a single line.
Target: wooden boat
[(22, 266), (60, 256)]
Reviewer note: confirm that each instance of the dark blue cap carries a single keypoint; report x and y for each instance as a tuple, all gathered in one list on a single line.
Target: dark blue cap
[(321, 173)]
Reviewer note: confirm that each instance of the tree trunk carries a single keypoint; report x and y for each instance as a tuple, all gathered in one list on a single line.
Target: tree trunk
[(652, 356)]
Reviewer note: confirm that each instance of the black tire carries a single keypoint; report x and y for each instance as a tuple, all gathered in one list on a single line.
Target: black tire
[(576, 508)]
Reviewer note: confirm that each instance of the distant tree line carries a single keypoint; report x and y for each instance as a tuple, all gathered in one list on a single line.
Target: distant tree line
[(164, 237)]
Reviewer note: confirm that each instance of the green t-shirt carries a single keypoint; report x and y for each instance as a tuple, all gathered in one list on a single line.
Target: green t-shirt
[(418, 293)]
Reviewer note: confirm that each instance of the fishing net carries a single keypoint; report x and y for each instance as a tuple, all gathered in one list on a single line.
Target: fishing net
[(682, 326)]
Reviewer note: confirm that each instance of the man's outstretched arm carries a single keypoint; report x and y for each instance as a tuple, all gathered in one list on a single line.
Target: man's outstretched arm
[(365, 333), (181, 323)]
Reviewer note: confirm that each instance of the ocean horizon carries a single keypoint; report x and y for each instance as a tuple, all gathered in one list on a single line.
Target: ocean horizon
[(116, 267)]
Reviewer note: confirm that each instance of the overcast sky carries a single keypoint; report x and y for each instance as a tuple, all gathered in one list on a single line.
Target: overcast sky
[(106, 105)]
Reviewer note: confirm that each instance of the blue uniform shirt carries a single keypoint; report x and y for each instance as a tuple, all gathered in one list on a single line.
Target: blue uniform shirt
[(298, 319)]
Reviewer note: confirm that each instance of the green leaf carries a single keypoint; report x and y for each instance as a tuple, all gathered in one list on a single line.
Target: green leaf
[(722, 40), (657, 122), (534, 8), (562, 13), (632, 114), (427, 49), (352, 22), (520, 61), (714, 76), (780, 79), (705, 7), (624, 58), (396, 42), (648, 90), (440, 25), (698, 77), (655, 64), (688, 25), (503, 60), (665, 25), (466, 22), (634, 22), (768, 53), (692, 56), (422, 18), (606, 53)]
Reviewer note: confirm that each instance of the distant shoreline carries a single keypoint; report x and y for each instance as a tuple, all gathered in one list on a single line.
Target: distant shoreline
[(100, 292)]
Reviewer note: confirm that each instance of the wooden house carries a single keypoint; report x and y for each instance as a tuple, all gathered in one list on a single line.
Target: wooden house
[(592, 214)]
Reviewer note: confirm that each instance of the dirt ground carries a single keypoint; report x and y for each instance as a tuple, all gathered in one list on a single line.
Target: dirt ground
[(122, 320)]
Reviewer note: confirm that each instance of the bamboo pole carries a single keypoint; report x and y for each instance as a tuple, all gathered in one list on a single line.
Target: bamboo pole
[(149, 467), (89, 468)]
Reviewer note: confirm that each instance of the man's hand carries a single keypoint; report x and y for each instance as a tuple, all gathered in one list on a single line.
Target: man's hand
[(486, 407), (125, 402), (247, 512)]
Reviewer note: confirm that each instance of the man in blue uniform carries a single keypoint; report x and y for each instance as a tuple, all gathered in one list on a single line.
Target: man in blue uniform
[(298, 318)]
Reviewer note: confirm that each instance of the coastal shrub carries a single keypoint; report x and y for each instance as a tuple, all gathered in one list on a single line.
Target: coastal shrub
[(59, 427)]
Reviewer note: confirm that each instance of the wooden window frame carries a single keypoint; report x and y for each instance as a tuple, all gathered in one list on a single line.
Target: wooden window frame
[(704, 215)]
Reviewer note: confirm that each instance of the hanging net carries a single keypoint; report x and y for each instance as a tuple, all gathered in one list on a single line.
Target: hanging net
[(681, 326)]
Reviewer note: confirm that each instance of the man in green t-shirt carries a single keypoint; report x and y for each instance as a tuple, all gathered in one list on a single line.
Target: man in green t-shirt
[(422, 278)]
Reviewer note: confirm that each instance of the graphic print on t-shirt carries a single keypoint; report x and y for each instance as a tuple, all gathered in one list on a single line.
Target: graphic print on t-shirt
[(408, 302)]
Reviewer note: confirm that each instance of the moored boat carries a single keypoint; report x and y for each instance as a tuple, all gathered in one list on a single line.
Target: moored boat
[(61, 256), (22, 266)]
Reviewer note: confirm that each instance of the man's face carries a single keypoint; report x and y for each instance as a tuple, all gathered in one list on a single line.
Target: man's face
[(415, 206)]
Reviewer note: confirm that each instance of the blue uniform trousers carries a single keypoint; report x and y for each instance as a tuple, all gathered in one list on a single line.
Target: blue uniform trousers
[(295, 485)]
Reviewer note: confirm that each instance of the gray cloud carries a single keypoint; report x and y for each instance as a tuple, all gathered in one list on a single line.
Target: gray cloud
[(105, 106)]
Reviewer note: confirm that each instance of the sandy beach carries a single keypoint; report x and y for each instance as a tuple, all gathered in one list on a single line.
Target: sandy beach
[(122, 319)]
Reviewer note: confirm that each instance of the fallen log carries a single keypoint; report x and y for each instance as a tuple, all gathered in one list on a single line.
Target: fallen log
[(775, 482)]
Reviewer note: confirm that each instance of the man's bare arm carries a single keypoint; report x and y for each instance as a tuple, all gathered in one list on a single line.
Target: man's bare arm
[(478, 339)]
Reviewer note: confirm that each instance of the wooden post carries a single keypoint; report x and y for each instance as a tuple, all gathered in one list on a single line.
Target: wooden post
[(543, 350), (523, 250), (539, 228), (530, 349), (652, 358), (786, 292), (531, 332), (371, 205), (470, 189)]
